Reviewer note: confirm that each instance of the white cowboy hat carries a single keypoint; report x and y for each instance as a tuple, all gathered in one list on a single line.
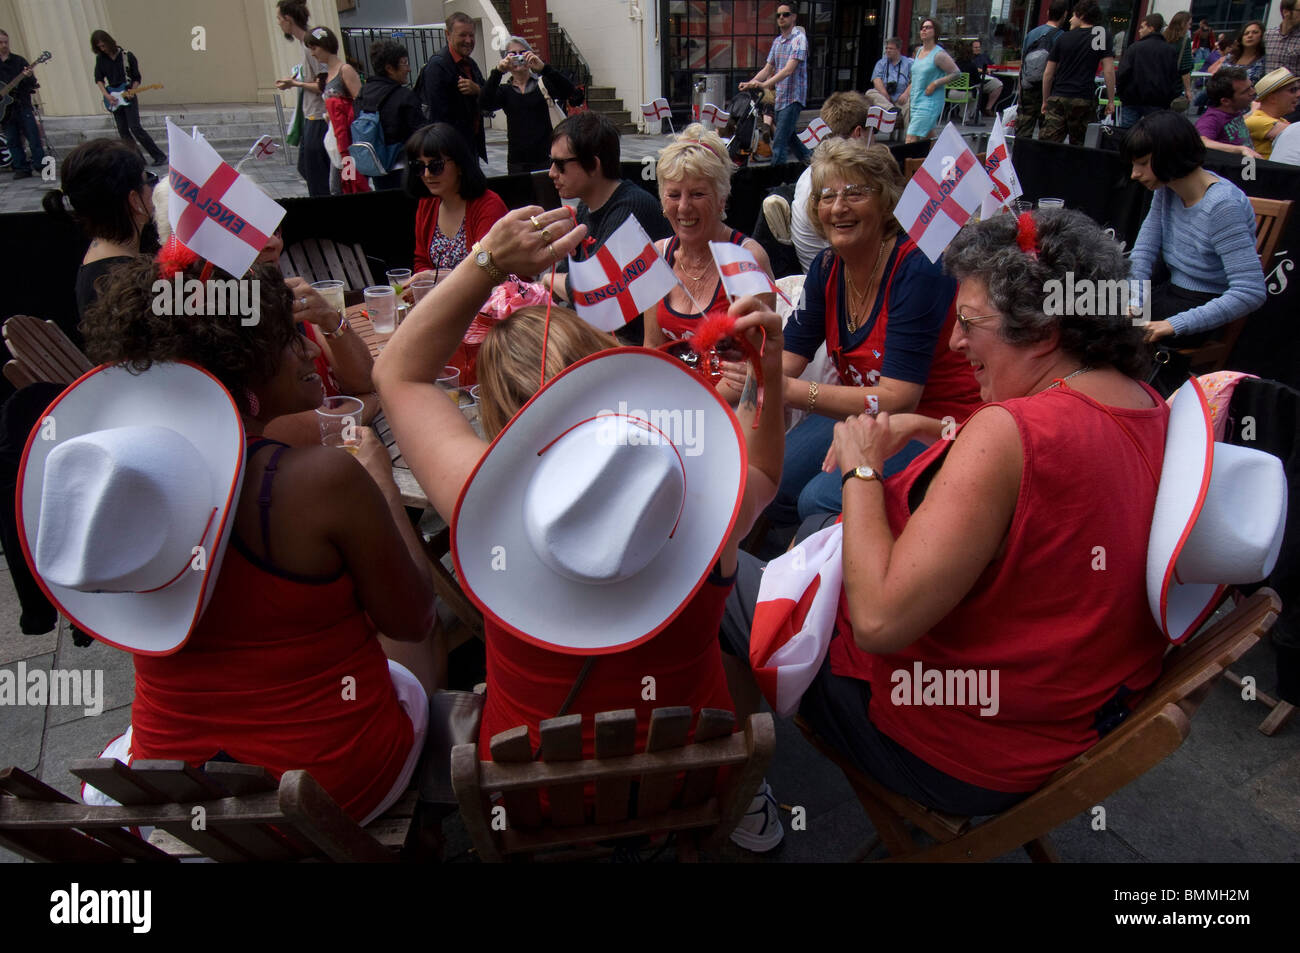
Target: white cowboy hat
[(1219, 517), (599, 510), (125, 493)]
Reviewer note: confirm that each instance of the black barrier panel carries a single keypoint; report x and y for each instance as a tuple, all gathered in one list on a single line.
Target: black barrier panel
[(1097, 181)]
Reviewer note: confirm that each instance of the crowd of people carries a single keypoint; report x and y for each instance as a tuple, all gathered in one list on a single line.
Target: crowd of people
[(947, 432)]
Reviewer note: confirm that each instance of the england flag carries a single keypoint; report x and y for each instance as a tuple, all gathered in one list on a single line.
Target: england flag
[(213, 210), (625, 277), (997, 163), (943, 195), (882, 120), (741, 273), (715, 115), (816, 132)]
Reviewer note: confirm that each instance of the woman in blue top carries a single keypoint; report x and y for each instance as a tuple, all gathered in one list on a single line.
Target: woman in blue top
[(1204, 230), (932, 70)]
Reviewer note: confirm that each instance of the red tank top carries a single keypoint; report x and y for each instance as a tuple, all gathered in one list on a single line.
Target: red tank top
[(678, 326), (1064, 624), (950, 389), (527, 684), (283, 672)]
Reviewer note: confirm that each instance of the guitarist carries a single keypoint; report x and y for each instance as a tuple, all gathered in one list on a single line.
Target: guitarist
[(118, 67), (20, 120)]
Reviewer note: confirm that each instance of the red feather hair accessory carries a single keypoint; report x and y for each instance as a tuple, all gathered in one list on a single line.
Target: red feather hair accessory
[(174, 257), (704, 358), (1027, 234)]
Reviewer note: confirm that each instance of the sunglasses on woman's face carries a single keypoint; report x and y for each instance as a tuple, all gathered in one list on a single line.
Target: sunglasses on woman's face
[(433, 166), (150, 179)]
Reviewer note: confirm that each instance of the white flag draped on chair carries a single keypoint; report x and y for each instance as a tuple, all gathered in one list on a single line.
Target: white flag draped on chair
[(213, 210), (816, 132), (997, 163), (944, 193), (624, 278)]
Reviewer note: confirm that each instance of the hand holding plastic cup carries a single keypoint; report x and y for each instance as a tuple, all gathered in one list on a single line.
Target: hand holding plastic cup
[(340, 423), (381, 306), (332, 292)]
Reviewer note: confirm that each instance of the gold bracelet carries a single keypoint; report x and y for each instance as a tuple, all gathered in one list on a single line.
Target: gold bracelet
[(812, 396)]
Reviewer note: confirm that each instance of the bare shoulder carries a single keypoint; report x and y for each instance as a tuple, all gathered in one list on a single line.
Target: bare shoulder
[(988, 444)]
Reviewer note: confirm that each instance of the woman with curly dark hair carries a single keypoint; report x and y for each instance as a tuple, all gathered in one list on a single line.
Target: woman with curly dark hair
[(1015, 550), (321, 559)]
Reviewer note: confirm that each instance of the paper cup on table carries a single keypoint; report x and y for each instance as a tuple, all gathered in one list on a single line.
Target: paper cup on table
[(340, 423), (381, 306)]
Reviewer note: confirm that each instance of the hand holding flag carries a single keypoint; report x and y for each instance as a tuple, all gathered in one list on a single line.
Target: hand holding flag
[(741, 273), (622, 279)]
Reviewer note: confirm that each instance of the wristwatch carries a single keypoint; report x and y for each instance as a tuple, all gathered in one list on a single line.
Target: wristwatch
[(483, 258), (862, 473)]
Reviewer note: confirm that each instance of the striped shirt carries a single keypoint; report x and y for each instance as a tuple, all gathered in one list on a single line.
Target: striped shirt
[(794, 88)]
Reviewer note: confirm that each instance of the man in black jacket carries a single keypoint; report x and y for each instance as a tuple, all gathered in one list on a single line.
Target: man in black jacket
[(1148, 73), (450, 84), (386, 93)]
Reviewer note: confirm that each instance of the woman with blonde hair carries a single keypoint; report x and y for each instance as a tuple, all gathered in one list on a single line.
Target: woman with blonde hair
[(884, 312), (694, 174)]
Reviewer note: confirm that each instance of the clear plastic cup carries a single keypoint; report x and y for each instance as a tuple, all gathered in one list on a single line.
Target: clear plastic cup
[(332, 292), (1051, 203), (449, 381), (340, 423), (381, 306), (422, 286)]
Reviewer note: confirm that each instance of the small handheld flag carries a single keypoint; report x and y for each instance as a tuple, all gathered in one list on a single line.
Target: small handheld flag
[(741, 273), (715, 115), (997, 163), (621, 280), (657, 110), (943, 194), (816, 132)]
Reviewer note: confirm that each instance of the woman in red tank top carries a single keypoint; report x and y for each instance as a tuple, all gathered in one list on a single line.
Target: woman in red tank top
[(981, 558), (322, 557), (528, 682), (694, 175)]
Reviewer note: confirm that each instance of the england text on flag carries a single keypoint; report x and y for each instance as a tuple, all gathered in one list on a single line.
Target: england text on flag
[(741, 274), (944, 193), (997, 163), (625, 277), (817, 131), (213, 210)]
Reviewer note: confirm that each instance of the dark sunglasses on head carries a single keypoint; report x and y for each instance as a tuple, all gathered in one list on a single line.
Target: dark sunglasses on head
[(561, 163), (434, 166)]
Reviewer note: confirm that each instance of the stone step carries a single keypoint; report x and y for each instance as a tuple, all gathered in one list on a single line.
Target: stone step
[(602, 92), (179, 114)]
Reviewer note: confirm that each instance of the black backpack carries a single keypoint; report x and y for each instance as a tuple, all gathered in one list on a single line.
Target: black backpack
[(1035, 64)]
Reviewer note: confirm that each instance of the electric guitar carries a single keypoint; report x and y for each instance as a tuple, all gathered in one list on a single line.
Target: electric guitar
[(119, 96), (5, 99)]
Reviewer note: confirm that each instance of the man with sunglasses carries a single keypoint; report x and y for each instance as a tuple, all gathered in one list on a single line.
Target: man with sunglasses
[(585, 166), (786, 72)]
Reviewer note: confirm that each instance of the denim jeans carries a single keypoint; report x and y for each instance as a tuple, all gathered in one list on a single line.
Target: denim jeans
[(824, 493), (23, 120), (784, 138), (1129, 115)]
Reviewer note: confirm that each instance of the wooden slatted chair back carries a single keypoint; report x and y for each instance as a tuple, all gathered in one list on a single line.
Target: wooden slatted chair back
[(227, 812), (320, 259), (675, 781), (42, 353)]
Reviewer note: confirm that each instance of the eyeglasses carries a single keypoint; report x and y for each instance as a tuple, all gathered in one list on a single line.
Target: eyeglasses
[(967, 322), (561, 163), (150, 179), (853, 194), (433, 166), (782, 16)]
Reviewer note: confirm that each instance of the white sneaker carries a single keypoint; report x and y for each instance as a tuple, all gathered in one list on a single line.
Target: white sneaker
[(760, 829)]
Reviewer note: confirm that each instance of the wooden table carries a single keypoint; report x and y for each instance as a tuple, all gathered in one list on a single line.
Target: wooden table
[(438, 543)]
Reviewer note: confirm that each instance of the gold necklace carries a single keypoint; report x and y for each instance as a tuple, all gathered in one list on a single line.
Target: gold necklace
[(681, 260), (853, 293)]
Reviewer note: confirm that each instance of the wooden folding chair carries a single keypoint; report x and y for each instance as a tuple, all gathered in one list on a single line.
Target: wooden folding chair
[(228, 812), (1270, 222), (517, 826), (41, 352), (1153, 731), (319, 259)]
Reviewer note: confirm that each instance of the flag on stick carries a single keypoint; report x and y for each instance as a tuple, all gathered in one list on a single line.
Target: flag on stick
[(741, 273), (817, 131), (622, 279), (944, 193), (213, 210), (657, 110), (882, 120), (715, 115), (263, 148), (997, 163)]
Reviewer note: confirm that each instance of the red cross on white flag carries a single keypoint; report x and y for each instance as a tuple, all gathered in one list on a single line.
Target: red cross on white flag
[(997, 163), (656, 110), (944, 193), (213, 210), (817, 131), (882, 120), (625, 277), (714, 114)]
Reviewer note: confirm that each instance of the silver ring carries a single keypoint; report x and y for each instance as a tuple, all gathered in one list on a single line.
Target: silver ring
[(303, 301)]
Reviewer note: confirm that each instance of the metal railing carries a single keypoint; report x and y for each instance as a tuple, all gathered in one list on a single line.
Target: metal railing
[(566, 58), (422, 44)]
